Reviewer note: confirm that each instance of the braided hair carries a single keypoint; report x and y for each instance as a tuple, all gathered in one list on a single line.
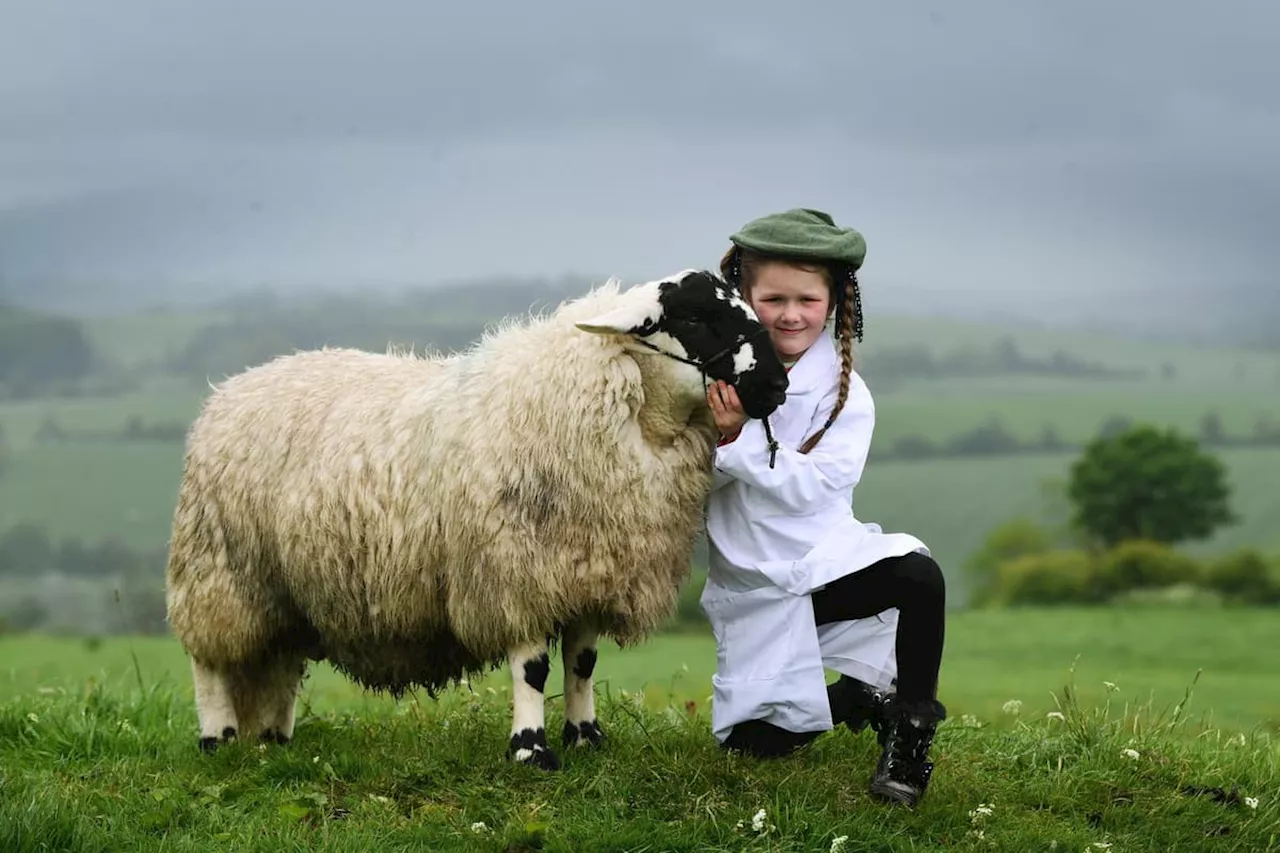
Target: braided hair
[(738, 268)]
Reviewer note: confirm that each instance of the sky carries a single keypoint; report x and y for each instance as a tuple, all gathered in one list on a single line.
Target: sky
[(1048, 158)]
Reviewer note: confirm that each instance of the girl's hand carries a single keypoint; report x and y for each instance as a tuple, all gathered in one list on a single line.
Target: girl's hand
[(726, 408)]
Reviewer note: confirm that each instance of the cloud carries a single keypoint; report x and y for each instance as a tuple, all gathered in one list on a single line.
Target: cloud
[(1001, 150)]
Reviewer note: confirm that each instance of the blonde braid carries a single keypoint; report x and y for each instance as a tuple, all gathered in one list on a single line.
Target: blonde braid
[(844, 333)]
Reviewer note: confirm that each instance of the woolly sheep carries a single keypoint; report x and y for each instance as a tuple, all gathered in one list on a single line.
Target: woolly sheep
[(415, 520)]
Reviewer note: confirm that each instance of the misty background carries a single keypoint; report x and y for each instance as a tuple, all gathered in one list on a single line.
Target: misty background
[(1070, 211), (1088, 162)]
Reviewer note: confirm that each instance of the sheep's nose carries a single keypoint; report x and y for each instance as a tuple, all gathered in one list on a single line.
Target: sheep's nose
[(779, 389)]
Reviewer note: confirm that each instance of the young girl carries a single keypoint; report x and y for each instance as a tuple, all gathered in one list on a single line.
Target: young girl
[(796, 582)]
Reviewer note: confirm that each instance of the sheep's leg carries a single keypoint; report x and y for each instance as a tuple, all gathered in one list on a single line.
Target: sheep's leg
[(274, 691), (215, 705), (579, 653), (530, 665)]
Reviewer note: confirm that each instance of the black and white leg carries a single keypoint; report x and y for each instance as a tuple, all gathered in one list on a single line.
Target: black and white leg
[(215, 706), (530, 665), (579, 655)]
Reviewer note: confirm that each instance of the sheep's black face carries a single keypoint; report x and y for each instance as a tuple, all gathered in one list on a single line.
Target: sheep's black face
[(705, 321)]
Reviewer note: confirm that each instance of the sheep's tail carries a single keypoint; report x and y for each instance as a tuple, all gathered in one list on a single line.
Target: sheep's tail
[(221, 612)]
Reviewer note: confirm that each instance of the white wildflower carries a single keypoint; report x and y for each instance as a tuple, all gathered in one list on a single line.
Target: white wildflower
[(837, 843), (1013, 706), (757, 821), (1098, 845), (1111, 688), (969, 721), (315, 760), (1236, 739), (1251, 802), (1055, 715), (33, 718), (479, 826), (1130, 753), (378, 798), (983, 810)]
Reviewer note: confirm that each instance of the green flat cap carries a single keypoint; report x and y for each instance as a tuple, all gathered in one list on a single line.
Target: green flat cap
[(805, 233)]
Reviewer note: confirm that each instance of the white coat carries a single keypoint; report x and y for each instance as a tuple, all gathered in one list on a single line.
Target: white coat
[(777, 535)]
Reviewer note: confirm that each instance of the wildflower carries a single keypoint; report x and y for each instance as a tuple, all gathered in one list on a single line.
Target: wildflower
[(1130, 753), (983, 810), (479, 826), (1236, 739), (33, 718), (1098, 845), (1013, 706), (1251, 802), (837, 843), (1110, 685), (1055, 715), (757, 821)]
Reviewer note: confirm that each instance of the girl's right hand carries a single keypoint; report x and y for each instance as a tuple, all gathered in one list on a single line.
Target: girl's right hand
[(726, 408)]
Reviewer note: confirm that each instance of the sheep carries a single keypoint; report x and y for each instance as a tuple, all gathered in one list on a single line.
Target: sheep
[(415, 520)]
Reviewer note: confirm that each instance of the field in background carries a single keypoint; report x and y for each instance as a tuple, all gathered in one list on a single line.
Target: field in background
[(96, 487)]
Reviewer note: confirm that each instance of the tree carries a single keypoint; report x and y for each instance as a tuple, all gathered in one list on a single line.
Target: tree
[(1148, 483)]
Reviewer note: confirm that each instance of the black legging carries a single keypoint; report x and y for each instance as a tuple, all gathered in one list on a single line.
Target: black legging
[(912, 583)]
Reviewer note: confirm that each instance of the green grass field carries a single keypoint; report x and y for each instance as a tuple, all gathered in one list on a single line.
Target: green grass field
[(96, 753)]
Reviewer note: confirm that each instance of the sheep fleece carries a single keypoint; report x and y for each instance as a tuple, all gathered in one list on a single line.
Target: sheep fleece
[(412, 518)]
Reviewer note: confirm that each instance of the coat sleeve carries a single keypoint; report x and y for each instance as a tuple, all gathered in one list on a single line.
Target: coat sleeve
[(802, 482)]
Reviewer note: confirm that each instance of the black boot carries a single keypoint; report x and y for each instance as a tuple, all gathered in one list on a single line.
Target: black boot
[(903, 772), (857, 704)]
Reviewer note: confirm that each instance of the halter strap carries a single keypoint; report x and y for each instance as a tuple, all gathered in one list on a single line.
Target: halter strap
[(702, 368)]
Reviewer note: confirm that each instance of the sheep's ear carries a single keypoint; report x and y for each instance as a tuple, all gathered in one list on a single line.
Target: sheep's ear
[(623, 320)]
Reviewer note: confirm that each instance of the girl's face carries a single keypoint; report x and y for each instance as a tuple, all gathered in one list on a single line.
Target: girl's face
[(792, 304)]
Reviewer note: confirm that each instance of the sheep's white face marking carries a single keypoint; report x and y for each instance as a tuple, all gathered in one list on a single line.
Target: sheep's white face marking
[(695, 315)]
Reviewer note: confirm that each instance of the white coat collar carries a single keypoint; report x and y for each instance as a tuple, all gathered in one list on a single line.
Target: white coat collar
[(813, 370)]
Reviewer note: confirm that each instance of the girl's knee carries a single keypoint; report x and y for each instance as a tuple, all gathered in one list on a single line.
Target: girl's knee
[(925, 575)]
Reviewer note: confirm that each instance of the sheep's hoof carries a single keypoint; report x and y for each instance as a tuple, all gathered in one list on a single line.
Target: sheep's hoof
[(209, 743), (274, 736), (530, 747), (586, 733)]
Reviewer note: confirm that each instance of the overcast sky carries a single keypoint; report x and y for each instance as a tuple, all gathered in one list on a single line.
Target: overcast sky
[(1038, 150)]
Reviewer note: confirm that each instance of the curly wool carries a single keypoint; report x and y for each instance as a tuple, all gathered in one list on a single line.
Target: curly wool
[(411, 519)]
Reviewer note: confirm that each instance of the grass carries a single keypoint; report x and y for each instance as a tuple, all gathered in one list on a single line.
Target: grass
[(100, 754)]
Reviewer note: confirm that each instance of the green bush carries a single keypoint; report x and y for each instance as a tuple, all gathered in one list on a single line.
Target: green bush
[(1142, 564), (1016, 538), (1053, 577), (1245, 577)]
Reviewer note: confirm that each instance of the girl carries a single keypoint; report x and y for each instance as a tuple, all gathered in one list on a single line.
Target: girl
[(796, 582)]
